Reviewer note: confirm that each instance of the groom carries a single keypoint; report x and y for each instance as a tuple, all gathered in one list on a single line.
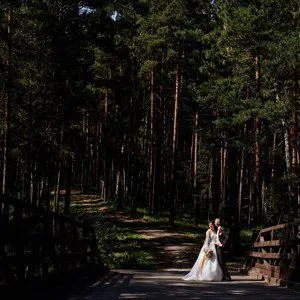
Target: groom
[(222, 237)]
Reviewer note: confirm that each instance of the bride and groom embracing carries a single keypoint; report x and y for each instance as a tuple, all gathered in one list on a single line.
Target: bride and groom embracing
[(210, 264)]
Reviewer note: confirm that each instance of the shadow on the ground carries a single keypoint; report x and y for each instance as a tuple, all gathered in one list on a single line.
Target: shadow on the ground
[(127, 284)]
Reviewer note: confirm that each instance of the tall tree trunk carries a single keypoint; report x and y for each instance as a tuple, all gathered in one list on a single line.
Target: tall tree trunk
[(241, 180), (7, 98), (210, 191), (294, 162), (33, 183), (287, 148), (293, 134), (250, 206), (68, 187), (151, 146), (105, 107), (174, 142), (223, 164), (59, 171), (287, 159), (104, 152), (57, 189), (195, 167), (257, 176), (273, 156), (164, 140), (158, 150)]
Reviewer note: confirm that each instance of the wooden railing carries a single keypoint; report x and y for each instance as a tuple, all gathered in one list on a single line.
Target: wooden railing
[(36, 244), (275, 253)]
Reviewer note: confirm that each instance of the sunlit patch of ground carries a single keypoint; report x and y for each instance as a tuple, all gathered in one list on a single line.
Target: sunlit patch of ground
[(142, 241)]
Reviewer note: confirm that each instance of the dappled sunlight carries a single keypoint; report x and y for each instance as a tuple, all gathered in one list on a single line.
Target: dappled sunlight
[(96, 201), (134, 296), (141, 242)]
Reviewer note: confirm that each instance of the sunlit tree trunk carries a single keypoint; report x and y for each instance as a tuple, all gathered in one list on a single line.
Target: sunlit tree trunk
[(256, 189), (287, 151), (241, 180), (210, 191), (293, 134), (223, 166), (294, 162), (174, 142), (286, 147), (151, 146), (273, 156), (195, 168)]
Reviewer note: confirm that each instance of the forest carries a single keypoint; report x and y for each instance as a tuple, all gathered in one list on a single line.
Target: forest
[(188, 107)]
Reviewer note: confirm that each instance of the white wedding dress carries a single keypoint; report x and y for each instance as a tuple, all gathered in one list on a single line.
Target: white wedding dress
[(206, 269)]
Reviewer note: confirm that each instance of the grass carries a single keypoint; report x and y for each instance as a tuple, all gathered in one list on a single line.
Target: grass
[(133, 244), (120, 247), (134, 259)]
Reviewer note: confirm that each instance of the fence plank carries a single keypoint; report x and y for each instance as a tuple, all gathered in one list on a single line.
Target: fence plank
[(266, 255), (276, 227)]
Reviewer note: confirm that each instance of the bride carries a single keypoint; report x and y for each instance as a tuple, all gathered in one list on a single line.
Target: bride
[(206, 267)]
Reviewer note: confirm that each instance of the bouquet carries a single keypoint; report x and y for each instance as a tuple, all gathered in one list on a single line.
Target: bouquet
[(208, 253)]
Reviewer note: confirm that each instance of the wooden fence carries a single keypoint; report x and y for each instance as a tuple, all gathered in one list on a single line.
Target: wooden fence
[(36, 244), (275, 254)]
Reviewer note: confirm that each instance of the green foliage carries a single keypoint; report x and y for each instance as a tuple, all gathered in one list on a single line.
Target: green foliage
[(107, 237), (67, 60), (279, 206)]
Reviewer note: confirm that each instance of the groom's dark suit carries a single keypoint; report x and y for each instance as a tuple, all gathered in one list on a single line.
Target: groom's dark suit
[(223, 237)]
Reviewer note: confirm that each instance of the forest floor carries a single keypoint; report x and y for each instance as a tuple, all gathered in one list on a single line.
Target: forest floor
[(142, 241)]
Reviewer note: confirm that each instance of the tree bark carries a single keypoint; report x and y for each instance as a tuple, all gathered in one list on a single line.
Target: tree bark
[(151, 145), (241, 180), (257, 176), (293, 134), (223, 164), (273, 156), (195, 167), (174, 141), (68, 187), (7, 98), (256, 179), (286, 148), (211, 178)]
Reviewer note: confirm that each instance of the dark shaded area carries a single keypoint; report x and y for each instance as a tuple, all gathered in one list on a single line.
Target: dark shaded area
[(39, 247), (58, 286)]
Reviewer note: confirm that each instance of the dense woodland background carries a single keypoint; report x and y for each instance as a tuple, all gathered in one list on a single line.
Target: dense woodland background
[(185, 106)]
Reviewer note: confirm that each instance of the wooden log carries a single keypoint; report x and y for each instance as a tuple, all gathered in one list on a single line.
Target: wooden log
[(267, 243)]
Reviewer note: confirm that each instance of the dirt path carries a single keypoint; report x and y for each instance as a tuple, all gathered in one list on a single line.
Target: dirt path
[(168, 247)]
